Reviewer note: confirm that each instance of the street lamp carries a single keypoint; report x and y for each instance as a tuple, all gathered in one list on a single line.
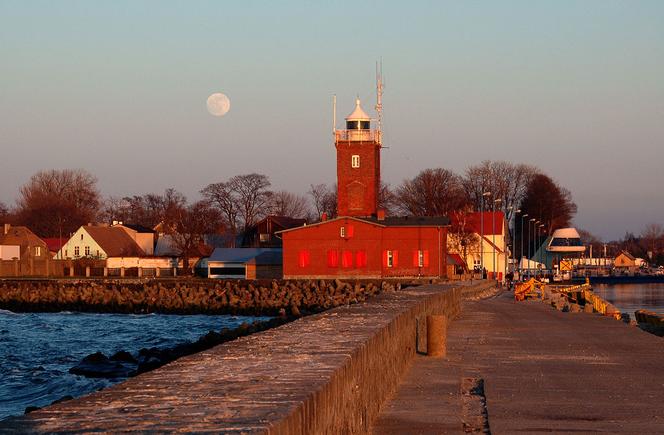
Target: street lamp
[(493, 233), (541, 256), (521, 253), (484, 195), (529, 222)]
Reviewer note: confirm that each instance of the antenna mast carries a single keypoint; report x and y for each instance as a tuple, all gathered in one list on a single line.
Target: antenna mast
[(379, 98), (334, 117)]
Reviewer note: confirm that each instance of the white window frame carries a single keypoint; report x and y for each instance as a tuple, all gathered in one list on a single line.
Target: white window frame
[(77, 251), (420, 258), (37, 251), (390, 259), (87, 251), (342, 232), (355, 161)]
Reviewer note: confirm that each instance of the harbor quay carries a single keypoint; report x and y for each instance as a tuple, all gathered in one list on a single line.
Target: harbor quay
[(505, 367)]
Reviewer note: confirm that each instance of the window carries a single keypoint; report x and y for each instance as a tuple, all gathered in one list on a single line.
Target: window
[(303, 258), (347, 259), (81, 236), (87, 251), (66, 253), (37, 251), (365, 125), (390, 258), (355, 161), (264, 237), (342, 232), (332, 258), (98, 253), (77, 251), (361, 259)]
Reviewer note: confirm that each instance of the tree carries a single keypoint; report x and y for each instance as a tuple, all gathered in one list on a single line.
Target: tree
[(387, 200), (651, 235), (253, 197), (324, 199), (589, 239), (57, 202), (549, 203), (506, 181), (462, 237), (4, 212), (188, 225), (147, 210), (284, 203), (433, 192)]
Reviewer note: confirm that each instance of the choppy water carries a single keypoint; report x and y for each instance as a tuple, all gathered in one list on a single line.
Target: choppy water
[(631, 297), (38, 349)]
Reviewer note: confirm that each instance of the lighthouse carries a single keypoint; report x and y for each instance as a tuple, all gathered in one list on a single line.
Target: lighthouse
[(358, 165)]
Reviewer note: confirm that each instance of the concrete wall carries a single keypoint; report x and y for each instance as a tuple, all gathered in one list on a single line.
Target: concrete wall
[(323, 374)]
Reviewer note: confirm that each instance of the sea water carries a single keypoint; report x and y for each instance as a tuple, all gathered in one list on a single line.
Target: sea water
[(38, 349)]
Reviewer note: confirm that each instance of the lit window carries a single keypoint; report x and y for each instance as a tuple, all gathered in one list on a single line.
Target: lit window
[(332, 258), (303, 258), (347, 259), (87, 251), (37, 251), (76, 251), (355, 161)]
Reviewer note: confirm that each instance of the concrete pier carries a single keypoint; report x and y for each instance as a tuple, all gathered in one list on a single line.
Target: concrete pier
[(526, 368), (325, 373)]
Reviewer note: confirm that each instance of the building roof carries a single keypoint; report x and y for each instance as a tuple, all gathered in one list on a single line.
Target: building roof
[(474, 222), (55, 243), (268, 258), (410, 221), (627, 254), (358, 114), (137, 228), (114, 241), (20, 235), (243, 255), (394, 221), (285, 221)]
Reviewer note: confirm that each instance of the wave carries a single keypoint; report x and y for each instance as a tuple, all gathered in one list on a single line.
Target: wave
[(9, 313)]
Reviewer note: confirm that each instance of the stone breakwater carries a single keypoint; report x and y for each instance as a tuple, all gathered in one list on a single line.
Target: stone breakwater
[(187, 296)]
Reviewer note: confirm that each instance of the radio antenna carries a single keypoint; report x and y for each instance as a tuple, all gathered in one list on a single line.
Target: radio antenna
[(379, 98)]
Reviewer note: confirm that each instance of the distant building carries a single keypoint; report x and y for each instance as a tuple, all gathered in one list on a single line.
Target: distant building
[(488, 245), (30, 245), (245, 263), (263, 234), (144, 237), (100, 242), (625, 263)]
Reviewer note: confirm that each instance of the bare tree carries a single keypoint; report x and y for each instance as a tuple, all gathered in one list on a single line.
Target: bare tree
[(188, 225), (222, 196), (57, 202), (4, 212), (589, 239), (506, 181), (324, 199), (284, 203), (462, 237), (433, 192), (651, 234), (253, 197), (387, 199)]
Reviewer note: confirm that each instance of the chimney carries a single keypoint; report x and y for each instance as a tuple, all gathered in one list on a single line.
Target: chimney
[(7, 227), (323, 217), (381, 214)]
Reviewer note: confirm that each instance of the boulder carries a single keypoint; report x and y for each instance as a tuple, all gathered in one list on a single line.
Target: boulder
[(98, 365)]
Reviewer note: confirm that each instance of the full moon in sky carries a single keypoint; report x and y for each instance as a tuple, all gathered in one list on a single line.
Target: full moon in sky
[(218, 104)]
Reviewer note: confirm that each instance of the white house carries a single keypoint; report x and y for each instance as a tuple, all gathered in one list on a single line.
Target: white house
[(100, 242)]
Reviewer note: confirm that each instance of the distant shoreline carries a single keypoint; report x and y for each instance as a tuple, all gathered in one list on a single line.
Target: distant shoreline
[(641, 279)]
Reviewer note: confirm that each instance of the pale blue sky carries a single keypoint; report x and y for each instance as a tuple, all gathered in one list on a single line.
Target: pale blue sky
[(119, 88)]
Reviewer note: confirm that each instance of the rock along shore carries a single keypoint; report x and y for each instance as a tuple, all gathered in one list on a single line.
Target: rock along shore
[(186, 296)]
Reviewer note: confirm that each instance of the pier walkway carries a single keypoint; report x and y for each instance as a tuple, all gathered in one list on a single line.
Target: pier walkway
[(541, 370)]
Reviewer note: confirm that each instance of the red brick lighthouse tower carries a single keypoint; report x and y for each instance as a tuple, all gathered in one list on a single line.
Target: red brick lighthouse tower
[(358, 165)]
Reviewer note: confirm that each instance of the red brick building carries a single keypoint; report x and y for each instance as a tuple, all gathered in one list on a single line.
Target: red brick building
[(362, 242)]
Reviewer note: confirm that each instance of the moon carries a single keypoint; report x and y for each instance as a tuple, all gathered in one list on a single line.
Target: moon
[(218, 104)]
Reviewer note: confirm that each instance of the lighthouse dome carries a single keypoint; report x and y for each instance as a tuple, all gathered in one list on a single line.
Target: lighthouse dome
[(358, 119)]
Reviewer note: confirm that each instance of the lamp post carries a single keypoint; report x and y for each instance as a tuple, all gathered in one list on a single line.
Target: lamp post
[(484, 195), (521, 253), (531, 220), (493, 233), (542, 247)]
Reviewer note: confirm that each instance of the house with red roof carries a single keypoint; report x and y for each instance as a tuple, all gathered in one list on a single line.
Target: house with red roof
[(480, 239)]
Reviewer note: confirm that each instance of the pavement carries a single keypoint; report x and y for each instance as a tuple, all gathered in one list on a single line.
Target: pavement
[(527, 368)]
